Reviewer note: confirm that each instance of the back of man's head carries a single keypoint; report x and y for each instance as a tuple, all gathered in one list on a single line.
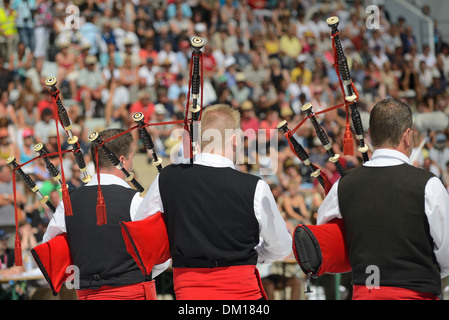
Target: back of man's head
[(218, 122), (120, 146), (389, 119)]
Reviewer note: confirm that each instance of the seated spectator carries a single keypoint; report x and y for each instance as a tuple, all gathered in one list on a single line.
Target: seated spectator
[(7, 212), (241, 91), (180, 86), (7, 258), (67, 66), (147, 73), (44, 126), (91, 83), (144, 105), (7, 147)]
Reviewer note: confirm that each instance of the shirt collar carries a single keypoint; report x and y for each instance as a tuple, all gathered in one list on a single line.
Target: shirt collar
[(213, 160), (389, 157), (108, 179)]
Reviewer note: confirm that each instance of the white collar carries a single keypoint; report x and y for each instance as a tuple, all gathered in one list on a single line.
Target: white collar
[(390, 157), (108, 179), (213, 160)]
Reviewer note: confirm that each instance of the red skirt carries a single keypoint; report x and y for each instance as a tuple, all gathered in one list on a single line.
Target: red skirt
[(222, 283), (139, 291), (389, 293)]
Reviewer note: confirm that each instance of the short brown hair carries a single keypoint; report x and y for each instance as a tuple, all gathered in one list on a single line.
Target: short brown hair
[(120, 146), (388, 121)]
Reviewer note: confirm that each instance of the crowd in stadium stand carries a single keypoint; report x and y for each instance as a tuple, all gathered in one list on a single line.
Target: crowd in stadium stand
[(266, 58)]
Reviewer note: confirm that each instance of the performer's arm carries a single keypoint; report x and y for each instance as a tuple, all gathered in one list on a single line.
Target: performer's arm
[(437, 211), (330, 208), (151, 204), (136, 204), (57, 224), (276, 241)]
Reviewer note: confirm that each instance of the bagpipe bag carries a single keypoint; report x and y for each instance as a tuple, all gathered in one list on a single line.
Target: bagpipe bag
[(321, 249), (53, 258), (147, 241)]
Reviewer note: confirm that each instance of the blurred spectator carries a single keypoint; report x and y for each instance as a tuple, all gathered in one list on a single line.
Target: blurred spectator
[(91, 33), (91, 83), (67, 66), (241, 91), (129, 77), (249, 123), (75, 180), (439, 152), (8, 29), (160, 133), (144, 105), (25, 21), (6, 253), (116, 99), (26, 149), (177, 88), (290, 47), (7, 148), (20, 61), (7, 213), (294, 205), (141, 56), (44, 126), (42, 28)]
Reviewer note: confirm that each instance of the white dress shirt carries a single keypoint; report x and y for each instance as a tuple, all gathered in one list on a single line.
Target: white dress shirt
[(275, 241), (57, 223), (436, 205)]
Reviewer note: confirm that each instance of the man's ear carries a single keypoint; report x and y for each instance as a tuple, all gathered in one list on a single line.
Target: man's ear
[(407, 138)]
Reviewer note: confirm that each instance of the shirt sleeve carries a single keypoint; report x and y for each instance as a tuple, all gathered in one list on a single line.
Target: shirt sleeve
[(56, 225), (330, 208), (137, 205), (151, 203), (275, 240), (437, 210)]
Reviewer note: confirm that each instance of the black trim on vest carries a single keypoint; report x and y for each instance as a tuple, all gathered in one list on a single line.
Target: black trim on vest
[(209, 216), (100, 251), (383, 210)]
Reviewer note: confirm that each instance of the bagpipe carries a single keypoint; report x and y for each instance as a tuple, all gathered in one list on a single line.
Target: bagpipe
[(321, 249), (146, 240)]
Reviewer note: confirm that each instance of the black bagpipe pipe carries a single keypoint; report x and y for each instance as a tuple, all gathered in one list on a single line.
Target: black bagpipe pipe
[(322, 249), (302, 154), (318, 249), (30, 183), (349, 89), (54, 173), (138, 118), (147, 248), (324, 139), (146, 240), (51, 82), (129, 176), (197, 44)]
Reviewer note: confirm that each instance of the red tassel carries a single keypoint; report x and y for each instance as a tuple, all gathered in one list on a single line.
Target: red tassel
[(66, 200), (348, 142), (327, 183), (101, 209), (18, 252)]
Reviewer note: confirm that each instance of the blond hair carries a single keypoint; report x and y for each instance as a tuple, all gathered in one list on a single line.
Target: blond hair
[(220, 118)]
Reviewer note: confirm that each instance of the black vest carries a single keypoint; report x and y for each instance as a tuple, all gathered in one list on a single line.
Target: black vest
[(386, 226), (209, 215), (99, 251)]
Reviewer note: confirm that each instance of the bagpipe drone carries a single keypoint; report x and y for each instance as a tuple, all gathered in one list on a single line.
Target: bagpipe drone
[(147, 248), (321, 249)]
